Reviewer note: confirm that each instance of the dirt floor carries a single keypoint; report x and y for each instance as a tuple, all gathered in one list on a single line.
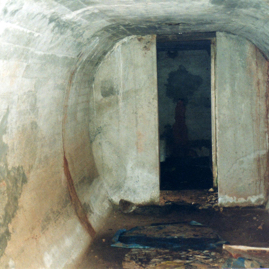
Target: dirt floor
[(239, 226)]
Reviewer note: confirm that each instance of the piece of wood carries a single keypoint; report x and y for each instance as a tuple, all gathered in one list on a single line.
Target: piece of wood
[(256, 253)]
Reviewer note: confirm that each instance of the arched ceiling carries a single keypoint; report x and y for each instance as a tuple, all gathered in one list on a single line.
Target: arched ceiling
[(65, 27)]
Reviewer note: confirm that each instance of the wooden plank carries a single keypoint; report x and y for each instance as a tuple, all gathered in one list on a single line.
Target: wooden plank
[(256, 253)]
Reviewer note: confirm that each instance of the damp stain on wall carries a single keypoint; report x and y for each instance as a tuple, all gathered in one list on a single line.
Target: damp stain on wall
[(107, 88), (11, 185)]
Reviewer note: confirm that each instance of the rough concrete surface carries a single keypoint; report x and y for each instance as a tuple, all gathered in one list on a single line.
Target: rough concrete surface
[(124, 126), (241, 100)]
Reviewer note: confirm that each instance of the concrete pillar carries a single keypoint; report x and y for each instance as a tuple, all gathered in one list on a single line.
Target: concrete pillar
[(241, 118)]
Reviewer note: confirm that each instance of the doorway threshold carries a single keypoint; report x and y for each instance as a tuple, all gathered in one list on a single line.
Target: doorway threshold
[(201, 199)]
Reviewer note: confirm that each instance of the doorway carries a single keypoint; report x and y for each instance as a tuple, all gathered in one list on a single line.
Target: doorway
[(185, 117)]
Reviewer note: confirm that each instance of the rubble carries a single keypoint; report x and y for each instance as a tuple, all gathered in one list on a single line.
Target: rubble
[(179, 245), (241, 263), (161, 258), (202, 199), (190, 258)]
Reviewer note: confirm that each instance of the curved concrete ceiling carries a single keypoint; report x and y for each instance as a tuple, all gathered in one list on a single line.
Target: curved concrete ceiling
[(66, 28)]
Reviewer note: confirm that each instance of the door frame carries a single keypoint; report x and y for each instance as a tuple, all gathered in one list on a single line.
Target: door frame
[(214, 121)]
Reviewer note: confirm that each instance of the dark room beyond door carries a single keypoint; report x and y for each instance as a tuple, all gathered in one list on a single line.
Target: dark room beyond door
[(184, 94)]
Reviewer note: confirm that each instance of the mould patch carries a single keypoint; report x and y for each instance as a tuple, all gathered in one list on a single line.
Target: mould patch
[(11, 184), (107, 88)]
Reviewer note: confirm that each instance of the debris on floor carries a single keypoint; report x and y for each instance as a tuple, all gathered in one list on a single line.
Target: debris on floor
[(178, 236), (163, 258), (202, 199), (188, 259), (241, 263), (181, 245), (127, 207), (240, 226)]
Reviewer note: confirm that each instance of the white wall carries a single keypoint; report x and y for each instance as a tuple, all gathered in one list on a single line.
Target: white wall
[(123, 124), (241, 116)]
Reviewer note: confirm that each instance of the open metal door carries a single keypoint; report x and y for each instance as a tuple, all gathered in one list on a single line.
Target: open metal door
[(241, 122)]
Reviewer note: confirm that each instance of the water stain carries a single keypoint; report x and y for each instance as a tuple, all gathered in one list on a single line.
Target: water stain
[(11, 184)]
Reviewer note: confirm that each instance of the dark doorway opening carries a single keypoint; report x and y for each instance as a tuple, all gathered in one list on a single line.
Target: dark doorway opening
[(184, 94)]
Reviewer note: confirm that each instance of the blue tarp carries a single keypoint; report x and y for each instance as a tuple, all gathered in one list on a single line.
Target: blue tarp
[(177, 236)]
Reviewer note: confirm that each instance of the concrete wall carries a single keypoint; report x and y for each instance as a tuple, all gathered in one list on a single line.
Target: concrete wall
[(123, 124), (38, 224), (241, 118)]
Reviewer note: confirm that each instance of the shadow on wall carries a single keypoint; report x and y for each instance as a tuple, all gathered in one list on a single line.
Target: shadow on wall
[(182, 84)]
